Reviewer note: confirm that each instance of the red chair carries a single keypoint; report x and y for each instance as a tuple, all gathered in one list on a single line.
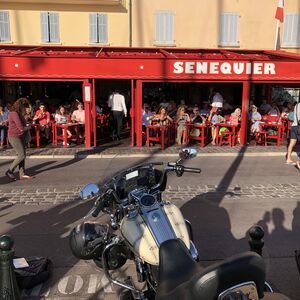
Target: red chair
[(158, 134), (227, 136)]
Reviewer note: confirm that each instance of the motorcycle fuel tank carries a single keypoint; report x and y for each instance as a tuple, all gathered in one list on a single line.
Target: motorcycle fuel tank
[(145, 232)]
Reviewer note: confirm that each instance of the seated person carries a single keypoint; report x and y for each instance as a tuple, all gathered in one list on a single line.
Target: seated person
[(235, 117), (146, 114), (61, 117), (162, 118), (255, 120), (78, 116), (3, 125), (28, 117), (215, 118), (196, 117), (43, 118), (265, 107), (182, 119)]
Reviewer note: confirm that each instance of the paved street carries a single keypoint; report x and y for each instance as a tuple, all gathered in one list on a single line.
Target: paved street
[(230, 195)]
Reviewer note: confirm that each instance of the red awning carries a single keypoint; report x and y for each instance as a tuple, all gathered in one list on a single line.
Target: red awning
[(56, 62)]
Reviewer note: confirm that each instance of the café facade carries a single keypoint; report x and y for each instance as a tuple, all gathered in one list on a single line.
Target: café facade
[(145, 65)]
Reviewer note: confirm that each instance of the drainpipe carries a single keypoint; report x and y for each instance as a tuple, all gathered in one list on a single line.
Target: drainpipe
[(130, 22)]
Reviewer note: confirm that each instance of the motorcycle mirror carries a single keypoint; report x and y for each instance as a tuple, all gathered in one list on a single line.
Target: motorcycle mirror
[(89, 190), (187, 153)]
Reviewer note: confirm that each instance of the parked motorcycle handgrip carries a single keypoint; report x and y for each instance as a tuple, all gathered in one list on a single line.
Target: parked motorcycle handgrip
[(192, 170)]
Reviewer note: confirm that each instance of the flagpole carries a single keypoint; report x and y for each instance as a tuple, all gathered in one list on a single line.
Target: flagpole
[(276, 35)]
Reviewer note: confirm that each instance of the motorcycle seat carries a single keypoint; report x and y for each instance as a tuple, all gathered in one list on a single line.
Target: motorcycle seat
[(176, 267), (180, 277)]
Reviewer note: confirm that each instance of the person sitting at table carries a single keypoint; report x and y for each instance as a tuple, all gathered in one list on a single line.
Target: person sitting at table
[(235, 117), (255, 120), (146, 114), (181, 119), (161, 119), (43, 118), (265, 107), (196, 118), (61, 117), (215, 118), (28, 117), (3, 125), (78, 116)]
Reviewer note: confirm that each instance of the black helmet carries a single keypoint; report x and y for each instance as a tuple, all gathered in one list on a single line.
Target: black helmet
[(87, 240)]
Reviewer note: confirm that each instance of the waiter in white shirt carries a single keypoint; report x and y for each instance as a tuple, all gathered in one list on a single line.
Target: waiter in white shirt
[(116, 102)]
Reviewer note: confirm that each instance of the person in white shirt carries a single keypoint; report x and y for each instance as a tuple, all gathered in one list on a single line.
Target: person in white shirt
[(116, 102)]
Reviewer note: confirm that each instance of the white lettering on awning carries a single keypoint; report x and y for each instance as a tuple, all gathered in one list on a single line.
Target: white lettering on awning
[(213, 67)]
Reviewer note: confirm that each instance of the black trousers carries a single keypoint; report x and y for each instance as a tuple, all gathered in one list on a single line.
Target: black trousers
[(117, 122)]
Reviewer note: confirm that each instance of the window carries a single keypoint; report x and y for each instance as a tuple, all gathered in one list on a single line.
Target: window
[(50, 27), (229, 29), (291, 30), (4, 27), (164, 28), (98, 28)]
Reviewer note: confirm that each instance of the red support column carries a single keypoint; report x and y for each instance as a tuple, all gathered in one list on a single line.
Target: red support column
[(132, 112), (245, 110), (138, 113), (87, 96), (268, 93), (94, 113)]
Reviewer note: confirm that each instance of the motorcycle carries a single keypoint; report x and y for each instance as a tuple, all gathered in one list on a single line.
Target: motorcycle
[(153, 233)]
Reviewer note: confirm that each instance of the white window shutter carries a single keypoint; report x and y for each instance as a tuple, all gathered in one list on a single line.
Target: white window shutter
[(229, 29), (45, 27), (164, 27), (54, 27), (291, 30), (4, 26), (93, 28), (102, 28)]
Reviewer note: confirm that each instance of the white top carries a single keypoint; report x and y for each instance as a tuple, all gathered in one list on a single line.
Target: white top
[(78, 116), (116, 102), (296, 118), (59, 119), (217, 100)]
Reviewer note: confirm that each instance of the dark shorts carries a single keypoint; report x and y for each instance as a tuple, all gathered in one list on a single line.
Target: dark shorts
[(294, 135)]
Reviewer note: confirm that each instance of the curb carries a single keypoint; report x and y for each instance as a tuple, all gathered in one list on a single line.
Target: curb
[(142, 155)]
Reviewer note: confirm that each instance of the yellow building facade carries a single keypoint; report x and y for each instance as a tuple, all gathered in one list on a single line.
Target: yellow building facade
[(241, 24)]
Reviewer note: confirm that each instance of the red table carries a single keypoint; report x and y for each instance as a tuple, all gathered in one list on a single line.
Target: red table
[(232, 132), (203, 133), (159, 134), (64, 136), (266, 125), (37, 134)]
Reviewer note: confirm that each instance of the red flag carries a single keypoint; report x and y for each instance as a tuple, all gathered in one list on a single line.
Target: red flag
[(279, 11)]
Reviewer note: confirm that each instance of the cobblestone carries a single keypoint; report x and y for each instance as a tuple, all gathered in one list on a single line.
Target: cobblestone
[(53, 195), (126, 149)]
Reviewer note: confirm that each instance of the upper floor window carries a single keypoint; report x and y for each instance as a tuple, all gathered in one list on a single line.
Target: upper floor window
[(4, 27), (50, 27), (164, 28), (291, 30), (98, 28), (229, 25)]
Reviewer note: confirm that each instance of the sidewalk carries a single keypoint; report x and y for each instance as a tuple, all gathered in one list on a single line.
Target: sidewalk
[(123, 149)]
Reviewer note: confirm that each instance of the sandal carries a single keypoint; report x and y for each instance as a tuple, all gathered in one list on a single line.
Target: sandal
[(298, 164)]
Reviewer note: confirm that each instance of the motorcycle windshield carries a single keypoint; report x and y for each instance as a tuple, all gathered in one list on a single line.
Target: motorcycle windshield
[(134, 178)]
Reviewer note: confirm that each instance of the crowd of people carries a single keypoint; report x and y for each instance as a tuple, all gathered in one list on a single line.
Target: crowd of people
[(37, 113), (213, 112)]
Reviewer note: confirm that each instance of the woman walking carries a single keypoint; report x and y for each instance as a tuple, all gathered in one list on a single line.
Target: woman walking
[(16, 130)]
